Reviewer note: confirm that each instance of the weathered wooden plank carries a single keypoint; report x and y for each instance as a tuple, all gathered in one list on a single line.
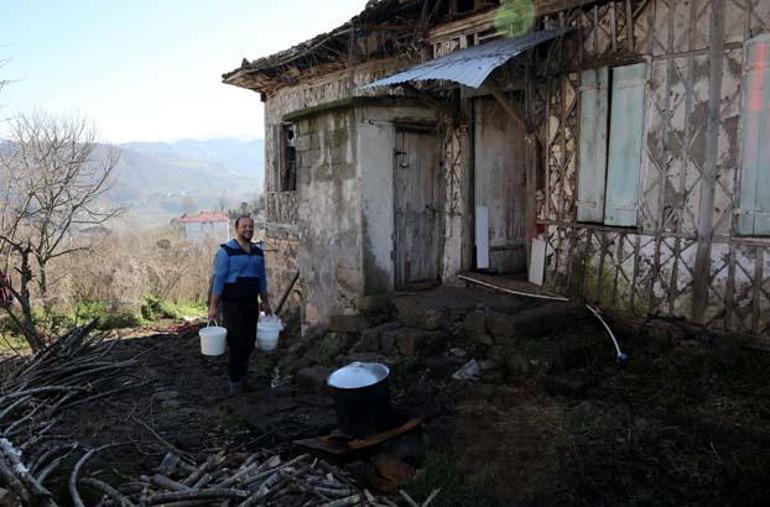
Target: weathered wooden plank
[(417, 207), (756, 307), (592, 169), (624, 158), (730, 289), (702, 271), (754, 213), (613, 28), (630, 26)]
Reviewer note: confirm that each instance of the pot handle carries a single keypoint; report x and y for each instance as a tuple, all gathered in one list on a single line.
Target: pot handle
[(215, 323)]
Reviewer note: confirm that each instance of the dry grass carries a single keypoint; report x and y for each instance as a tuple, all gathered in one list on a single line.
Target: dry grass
[(123, 269)]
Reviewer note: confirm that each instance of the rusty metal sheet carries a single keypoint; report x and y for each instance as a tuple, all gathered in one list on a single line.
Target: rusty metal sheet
[(469, 66)]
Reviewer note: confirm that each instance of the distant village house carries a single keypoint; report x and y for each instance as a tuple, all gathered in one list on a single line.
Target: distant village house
[(213, 225)]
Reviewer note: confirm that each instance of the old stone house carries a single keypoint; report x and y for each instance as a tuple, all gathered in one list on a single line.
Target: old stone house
[(616, 149)]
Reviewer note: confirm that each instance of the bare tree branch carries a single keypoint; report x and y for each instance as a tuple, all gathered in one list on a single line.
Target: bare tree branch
[(53, 176)]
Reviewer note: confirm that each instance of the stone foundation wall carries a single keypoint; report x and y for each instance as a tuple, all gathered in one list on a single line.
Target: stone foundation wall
[(282, 244)]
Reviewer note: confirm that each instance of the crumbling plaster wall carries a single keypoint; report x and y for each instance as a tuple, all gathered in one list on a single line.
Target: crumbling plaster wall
[(329, 216), (282, 207), (654, 268)]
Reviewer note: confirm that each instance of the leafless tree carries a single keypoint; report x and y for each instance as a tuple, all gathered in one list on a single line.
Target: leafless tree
[(3, 82), (54, 179)]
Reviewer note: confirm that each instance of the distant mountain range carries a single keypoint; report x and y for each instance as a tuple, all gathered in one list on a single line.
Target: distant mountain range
[(157, 181)]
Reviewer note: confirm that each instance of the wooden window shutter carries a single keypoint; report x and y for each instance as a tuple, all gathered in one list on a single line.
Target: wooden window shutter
[(592, 171), (625, 150), (754, 212)]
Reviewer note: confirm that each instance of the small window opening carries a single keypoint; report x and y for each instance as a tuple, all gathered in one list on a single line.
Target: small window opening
[(288, 158)]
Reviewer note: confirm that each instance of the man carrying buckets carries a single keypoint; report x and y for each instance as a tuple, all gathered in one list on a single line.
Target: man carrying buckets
[(240, 284)]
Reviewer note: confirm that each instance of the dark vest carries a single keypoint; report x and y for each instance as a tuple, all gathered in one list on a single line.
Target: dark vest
[(244, 288)]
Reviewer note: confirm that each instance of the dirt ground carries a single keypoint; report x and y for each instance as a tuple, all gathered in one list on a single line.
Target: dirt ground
[(685, 422)]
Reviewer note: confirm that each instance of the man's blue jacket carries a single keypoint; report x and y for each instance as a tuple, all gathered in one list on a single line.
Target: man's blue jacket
[(239, 275)]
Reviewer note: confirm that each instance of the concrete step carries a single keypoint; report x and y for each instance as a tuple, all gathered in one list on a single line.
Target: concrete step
[(394, 338)]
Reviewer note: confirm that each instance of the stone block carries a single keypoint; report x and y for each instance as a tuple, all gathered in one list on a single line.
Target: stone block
[(428, 319), (369, 342), (412, 342), (312, 379), (475, 323), (516, 364), (370, 338), (388, 341), (534, 322), (348, 323), (501, 325), (411, 315), (375, 303)]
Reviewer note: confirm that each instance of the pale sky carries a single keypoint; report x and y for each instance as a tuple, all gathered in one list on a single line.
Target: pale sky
[(145, 70)]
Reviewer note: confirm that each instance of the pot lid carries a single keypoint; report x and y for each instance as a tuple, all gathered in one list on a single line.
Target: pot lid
[(357, 375)]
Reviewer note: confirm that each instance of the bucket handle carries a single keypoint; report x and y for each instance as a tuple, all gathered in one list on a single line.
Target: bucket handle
[(216, 324)]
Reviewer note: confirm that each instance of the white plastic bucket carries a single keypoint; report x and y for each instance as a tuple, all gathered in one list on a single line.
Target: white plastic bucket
[(268, 330), (213, 340)]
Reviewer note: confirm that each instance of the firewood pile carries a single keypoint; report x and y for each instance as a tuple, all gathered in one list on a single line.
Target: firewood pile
[(39, 466), (258, 479), (35, 394)]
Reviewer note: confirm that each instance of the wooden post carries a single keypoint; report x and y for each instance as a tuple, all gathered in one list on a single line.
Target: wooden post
[(702, 274)]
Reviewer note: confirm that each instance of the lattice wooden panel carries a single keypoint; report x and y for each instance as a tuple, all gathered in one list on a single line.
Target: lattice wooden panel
[(654, 272), (749, 278), (454, 151), (561, 147), (558, 250), (719, 289), (756, 16)]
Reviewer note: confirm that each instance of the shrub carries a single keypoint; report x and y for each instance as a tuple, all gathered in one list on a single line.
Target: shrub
[(155, 308), (120, 319)]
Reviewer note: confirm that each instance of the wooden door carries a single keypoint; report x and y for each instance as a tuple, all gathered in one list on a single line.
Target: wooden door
[(500, 184), (417, 203)]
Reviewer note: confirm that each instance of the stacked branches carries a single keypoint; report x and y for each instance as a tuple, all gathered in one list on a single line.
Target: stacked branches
[(35, 394), (259, 479), (34, 397)]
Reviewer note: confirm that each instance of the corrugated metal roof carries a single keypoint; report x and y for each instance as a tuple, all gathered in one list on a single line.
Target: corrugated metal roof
[(469, 66)]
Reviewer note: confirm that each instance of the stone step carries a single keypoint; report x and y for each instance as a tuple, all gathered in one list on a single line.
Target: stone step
[(440, 308), (542, 320), (394, 338), (348, 323)]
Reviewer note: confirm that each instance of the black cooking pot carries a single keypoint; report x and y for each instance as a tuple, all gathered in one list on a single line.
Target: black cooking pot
[(362, 398)]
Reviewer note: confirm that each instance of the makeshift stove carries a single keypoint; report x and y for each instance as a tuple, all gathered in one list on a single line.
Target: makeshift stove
[(364, 412), (341, 444)]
